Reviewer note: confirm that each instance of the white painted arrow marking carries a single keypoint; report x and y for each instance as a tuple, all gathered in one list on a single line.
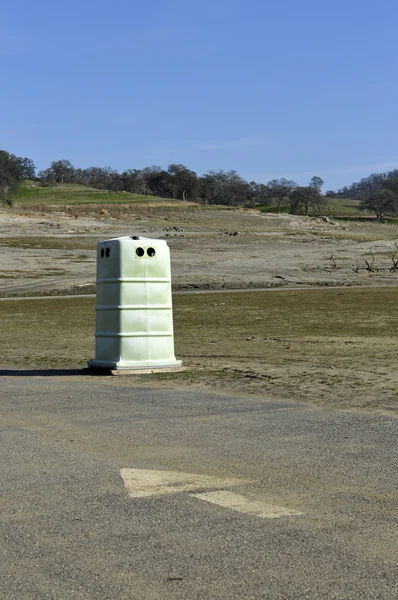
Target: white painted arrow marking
[(239, 503), (142, 483)]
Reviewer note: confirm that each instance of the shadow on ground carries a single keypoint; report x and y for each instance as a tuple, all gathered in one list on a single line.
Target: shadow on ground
[(50, 372)]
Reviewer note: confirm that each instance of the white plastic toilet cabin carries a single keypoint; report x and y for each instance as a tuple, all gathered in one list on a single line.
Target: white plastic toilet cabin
[(134, 314)]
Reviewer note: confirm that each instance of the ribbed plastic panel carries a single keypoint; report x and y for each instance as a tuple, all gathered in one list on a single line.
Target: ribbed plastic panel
[(134, 313)]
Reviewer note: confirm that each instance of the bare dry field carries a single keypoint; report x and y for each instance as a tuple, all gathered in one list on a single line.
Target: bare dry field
[(333, 344), (331, 347), (52, 250)]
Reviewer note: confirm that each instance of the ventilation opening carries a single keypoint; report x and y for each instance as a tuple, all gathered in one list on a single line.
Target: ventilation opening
[(107, 252), (151, 252), (140, 252), (102, 253)]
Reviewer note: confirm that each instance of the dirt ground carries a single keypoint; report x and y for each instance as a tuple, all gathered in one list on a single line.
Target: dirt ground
[(327, 346), (334, 347), (53, 251)]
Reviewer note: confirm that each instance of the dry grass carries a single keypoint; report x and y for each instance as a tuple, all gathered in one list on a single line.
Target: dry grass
[(71, 194), (45, 272), (384, 234), (50, 243), (334, 347)]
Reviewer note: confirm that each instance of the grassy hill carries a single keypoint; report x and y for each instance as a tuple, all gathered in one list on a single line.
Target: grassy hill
[(336, 208), (72, 194)]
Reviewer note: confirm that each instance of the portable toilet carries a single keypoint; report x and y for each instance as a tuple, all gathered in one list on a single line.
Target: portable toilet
[(134, 315)]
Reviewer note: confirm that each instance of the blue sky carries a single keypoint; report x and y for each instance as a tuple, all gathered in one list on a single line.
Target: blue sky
[(288, 88)]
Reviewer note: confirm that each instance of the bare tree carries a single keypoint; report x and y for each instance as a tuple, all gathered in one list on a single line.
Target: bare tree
[(381, 202), (280, 190), (370, 263), (394, 258), (332, 261), (303, 198)]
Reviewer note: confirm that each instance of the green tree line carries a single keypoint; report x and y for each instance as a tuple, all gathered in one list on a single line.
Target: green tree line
[(359, 190), (378, 193), (181, 183)]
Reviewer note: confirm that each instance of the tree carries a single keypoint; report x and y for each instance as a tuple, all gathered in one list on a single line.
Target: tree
[(280, 190), (238, 190), (97, 177), (111, 180), (26, 167), (183, 182), (46, 178), (63, 171), (316, 182), (207, 189), (391, 184), (224, 187), (259, 194), (303, 198), (360, 190), (11, 174), (133, 181), (381, 202), (157, 181)]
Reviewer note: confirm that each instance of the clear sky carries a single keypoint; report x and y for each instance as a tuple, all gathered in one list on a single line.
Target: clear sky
[(288, 88)]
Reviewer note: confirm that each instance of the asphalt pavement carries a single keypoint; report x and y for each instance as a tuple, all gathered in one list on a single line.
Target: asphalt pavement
[(113, 491)]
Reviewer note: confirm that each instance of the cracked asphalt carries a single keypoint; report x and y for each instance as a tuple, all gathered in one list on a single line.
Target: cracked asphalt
[(69, 529)]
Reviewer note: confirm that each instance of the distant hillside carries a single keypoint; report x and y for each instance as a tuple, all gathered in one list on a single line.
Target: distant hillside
[(32, 195), (376, 181)]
